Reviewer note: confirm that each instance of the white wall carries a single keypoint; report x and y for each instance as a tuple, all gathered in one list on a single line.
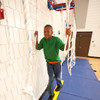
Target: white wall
[(95, 44), (92, 24), (81, 13), (13, 77)]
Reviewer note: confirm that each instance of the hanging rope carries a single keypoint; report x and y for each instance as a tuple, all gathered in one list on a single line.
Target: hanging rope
[(70, 37), (28, 89), (34, 51)]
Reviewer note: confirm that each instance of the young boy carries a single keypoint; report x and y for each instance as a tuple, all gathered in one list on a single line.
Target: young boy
[(51, 46)]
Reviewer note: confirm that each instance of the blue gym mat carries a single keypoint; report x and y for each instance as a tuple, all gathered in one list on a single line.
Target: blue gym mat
[(82, 85), (81, 69), (65, 96)]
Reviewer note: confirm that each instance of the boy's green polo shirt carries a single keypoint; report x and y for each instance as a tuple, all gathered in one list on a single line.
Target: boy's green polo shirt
[(51, 48)]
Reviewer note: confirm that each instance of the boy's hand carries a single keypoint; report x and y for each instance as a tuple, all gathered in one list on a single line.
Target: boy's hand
[(36, 33), (68, 32)]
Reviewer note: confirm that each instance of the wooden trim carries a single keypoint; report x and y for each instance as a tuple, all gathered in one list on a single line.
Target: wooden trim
[(93, 57)]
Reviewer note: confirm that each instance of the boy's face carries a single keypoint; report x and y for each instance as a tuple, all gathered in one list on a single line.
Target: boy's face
[(48, 32)]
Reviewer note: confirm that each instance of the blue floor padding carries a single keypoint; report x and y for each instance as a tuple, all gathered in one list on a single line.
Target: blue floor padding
[(65, 96), (80, 70), (45, 96), (82, 85), (83, 63)]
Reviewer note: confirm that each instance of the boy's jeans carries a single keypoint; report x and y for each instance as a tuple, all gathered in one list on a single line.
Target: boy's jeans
[(54, 70)]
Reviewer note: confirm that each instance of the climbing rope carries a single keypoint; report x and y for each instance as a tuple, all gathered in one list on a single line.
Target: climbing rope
[(72, 36), (28, 89)]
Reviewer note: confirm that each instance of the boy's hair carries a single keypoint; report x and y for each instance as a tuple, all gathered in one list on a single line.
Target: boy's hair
[(48, 26)]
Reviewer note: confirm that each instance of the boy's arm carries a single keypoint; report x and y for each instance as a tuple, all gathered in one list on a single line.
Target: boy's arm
[(68, 32), (36, 34), (67, 43)]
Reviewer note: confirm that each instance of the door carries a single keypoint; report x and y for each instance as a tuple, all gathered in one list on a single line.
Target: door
[(82, 43)]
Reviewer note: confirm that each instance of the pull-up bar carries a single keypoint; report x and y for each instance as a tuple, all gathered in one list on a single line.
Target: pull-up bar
[(58, 7)]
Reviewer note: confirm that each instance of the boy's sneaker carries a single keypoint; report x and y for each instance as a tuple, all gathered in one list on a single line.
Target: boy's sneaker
[(51, 97), (58, 88)]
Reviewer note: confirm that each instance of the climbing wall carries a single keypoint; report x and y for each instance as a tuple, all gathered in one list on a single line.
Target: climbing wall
[(13, 75)]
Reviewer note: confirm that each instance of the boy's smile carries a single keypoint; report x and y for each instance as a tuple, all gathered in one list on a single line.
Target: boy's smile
[(48, 32)]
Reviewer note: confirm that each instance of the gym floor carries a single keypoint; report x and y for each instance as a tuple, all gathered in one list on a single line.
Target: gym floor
[(84, 84)]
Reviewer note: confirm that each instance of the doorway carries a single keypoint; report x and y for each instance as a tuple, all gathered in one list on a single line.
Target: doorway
[(82, 43)]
